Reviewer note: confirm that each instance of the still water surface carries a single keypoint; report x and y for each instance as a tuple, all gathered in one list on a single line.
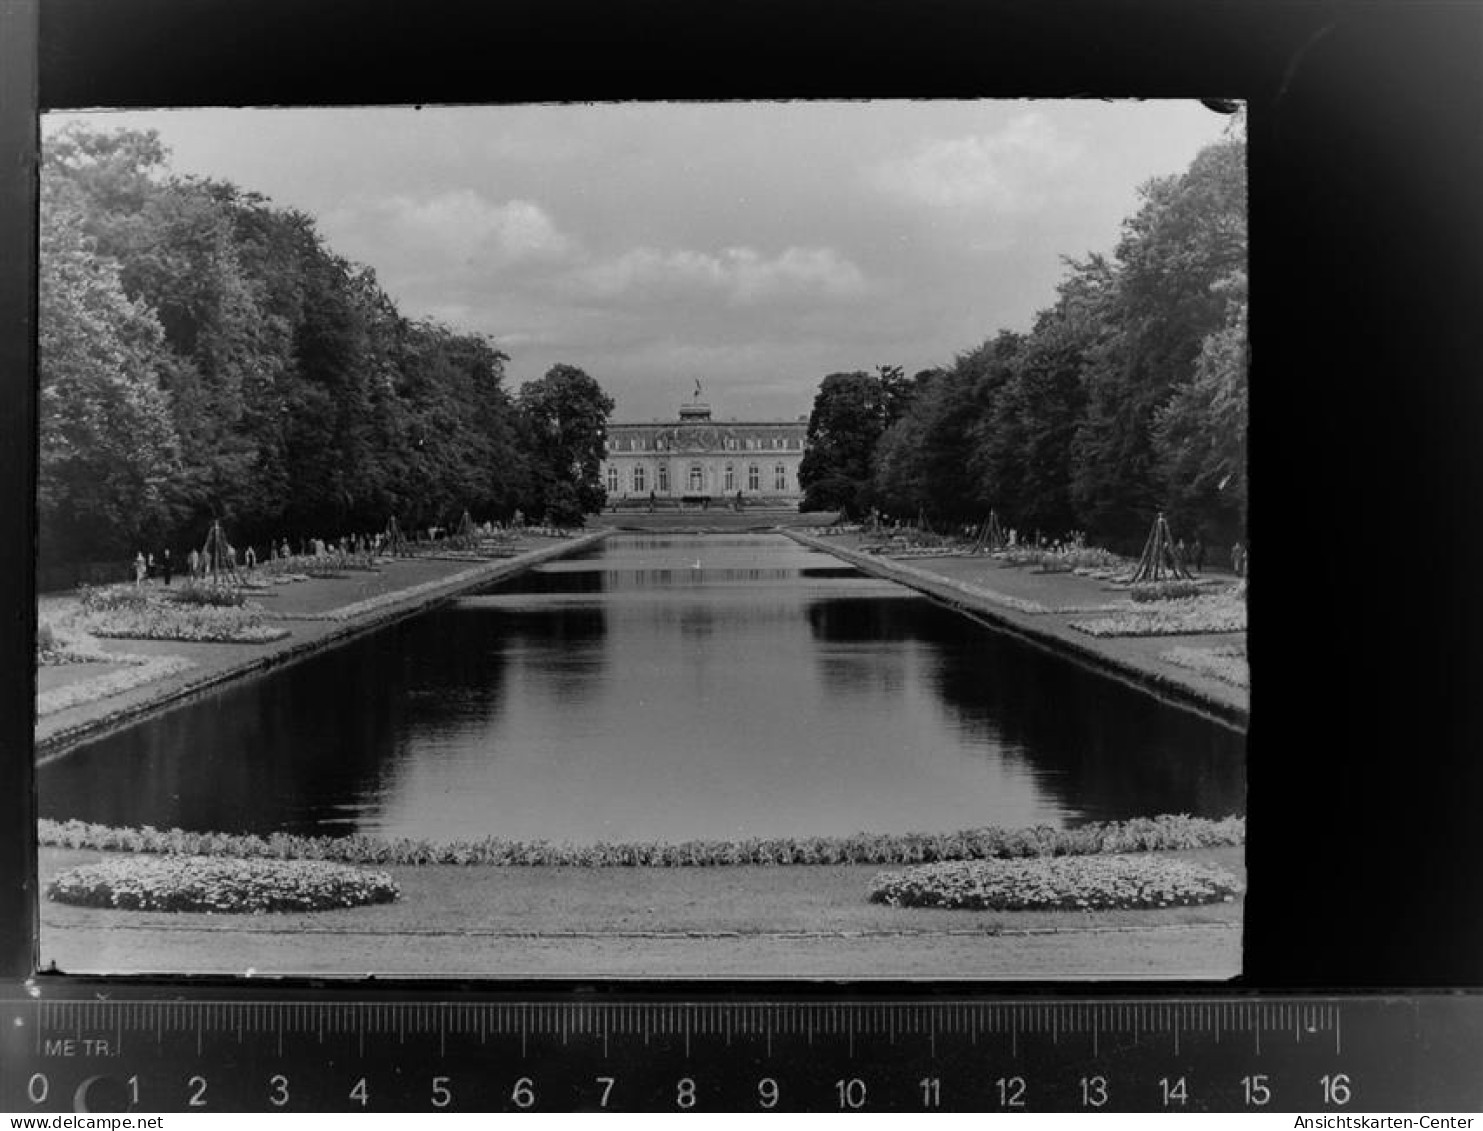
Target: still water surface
[(663, 688)]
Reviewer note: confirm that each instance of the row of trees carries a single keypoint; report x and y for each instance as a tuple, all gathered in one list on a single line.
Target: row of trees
[(203, 354), (1128, 395)]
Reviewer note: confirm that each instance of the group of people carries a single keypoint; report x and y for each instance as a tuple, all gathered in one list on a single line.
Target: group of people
[(145, 566), (197, 563), (1192, 555)]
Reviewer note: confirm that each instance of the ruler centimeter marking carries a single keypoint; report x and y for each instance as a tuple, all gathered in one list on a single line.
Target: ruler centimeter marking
[(1071, 1053)]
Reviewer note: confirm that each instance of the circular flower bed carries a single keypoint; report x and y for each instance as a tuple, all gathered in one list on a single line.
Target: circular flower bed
[(1086, 883), (217, 885)]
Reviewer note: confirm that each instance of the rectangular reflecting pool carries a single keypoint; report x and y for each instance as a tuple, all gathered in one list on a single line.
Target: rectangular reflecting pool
[(662, 688)]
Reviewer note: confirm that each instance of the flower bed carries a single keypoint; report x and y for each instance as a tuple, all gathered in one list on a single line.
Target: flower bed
[(209, 594), (105, 598), (1188, 616), (1139, 835), (1064, 560), (220, 886), (1085, 884), (1146, 591), (134, 613), (204, 624), (1227, 664)]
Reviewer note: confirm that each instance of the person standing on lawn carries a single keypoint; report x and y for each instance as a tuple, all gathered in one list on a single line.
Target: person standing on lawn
[(140, 568), (167, 567), (1199, 550)]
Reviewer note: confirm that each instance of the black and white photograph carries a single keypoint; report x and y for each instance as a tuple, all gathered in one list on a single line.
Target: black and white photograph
[(644, 540)]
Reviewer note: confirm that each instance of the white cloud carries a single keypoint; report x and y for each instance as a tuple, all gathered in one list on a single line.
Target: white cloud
[(1006, 170), (739, 275), (460, 226)]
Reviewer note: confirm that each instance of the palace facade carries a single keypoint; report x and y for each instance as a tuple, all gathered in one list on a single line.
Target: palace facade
[(696, 459)]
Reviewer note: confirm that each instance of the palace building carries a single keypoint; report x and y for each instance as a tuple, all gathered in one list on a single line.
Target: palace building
[(696, 460)]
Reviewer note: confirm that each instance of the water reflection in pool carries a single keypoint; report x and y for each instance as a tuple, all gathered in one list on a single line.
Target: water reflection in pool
[(663, 688)]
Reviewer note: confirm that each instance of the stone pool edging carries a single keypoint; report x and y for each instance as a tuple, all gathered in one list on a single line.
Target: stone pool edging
[(1100, 653), (288, 650)]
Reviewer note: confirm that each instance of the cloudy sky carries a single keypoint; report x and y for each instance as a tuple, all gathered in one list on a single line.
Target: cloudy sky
[(754, 247)]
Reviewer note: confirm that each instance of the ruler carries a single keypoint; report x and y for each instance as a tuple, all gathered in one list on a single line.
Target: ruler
[(126, 1048)]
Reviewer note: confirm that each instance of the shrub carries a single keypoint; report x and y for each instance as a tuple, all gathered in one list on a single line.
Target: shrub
[(217, 885), (1095, 883)]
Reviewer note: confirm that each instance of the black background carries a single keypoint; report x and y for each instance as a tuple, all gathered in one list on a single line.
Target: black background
[(1366, 147)]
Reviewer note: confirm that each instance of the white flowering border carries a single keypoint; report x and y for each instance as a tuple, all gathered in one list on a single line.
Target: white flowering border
[(141, 670), (1167, 832), (1087, 883), (1228, 664)]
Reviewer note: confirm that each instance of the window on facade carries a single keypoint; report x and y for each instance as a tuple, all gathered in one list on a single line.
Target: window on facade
[(730, 479), (638, 479), (664, 478), (754, 478), (780, 477), (612, 481), (697, 478)]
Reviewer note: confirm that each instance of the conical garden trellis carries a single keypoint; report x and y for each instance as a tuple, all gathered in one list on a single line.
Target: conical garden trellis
[(1160, 556), (218, 559), (464, 537), (396, 541), (990, 535)]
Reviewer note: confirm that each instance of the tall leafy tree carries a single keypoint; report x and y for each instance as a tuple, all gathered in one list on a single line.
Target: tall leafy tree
[(1200, 434), (1187, 237), (899, 482), (851, 411), (564, 417), (1024, 458), (295, 399), (108, 445)]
